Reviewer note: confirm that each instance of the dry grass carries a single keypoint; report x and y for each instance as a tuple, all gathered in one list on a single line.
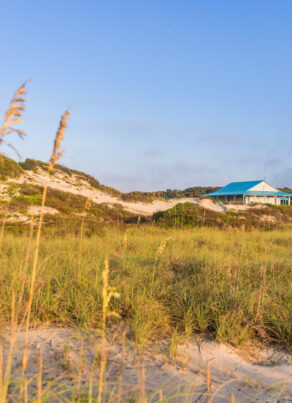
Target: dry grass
[(54, 158), (13, 116), (107, 294), (56, 153)]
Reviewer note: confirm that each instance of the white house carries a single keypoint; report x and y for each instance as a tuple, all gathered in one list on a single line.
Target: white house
[(251, 192)]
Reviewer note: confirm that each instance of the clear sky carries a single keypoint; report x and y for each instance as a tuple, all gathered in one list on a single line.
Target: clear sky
[(164, 93)]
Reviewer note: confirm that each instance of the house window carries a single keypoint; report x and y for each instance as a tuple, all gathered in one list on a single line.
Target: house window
[(284, 201)]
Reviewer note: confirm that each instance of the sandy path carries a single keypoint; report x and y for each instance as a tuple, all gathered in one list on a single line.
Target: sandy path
[(265, 378)]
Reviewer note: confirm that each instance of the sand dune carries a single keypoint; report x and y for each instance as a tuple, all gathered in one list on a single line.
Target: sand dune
[(73, 184)]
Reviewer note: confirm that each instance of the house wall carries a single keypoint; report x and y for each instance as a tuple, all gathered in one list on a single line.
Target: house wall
[(264, 187), (276, 200), (263, 199)]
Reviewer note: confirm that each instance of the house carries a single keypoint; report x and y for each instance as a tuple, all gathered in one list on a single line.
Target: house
[(251, 192)]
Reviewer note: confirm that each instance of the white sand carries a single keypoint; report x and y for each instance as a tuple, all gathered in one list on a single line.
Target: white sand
[(36, 210), (267, 377)]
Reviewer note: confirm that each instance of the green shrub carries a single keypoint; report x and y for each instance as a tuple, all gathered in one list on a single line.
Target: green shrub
[(27, 200), (9, 168)]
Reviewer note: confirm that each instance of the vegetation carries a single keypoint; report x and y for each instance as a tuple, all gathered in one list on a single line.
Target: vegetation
[(70, 211), (9, 168), (231, 285), (137, 196), (193, 215), (194, 191), (286, 190)]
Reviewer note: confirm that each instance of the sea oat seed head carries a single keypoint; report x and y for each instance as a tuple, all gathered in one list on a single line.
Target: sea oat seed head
[(162, 247), (14, 114), (56, 154)]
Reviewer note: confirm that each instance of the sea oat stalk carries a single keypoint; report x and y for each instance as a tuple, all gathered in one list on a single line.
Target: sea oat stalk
[(14, 116), (80, 369), (5, 381), (107, 293), (4, 220), (25, 267), (119, 397), (159, 252), (1, 368), (86, 207), (56, 154), (40, 377), (208, 379)]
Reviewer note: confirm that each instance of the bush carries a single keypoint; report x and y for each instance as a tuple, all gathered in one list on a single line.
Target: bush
[(9, 168)]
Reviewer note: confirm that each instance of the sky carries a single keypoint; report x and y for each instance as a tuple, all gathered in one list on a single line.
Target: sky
[(164, 93)]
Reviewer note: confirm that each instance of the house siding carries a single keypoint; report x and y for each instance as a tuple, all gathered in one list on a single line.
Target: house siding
[(262, 199)]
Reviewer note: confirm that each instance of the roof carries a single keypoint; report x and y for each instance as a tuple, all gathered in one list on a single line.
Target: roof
[(242, 188)]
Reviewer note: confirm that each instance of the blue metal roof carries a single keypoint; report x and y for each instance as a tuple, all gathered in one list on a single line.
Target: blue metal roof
[(242, 188)]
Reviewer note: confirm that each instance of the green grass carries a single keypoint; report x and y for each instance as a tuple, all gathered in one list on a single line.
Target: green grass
[(9, 169), (229, 285)]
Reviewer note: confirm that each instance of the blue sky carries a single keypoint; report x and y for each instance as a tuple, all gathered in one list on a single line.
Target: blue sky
[(164, 93)]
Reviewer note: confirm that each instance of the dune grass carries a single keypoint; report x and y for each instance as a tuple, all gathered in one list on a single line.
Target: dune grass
[(230, 285)]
